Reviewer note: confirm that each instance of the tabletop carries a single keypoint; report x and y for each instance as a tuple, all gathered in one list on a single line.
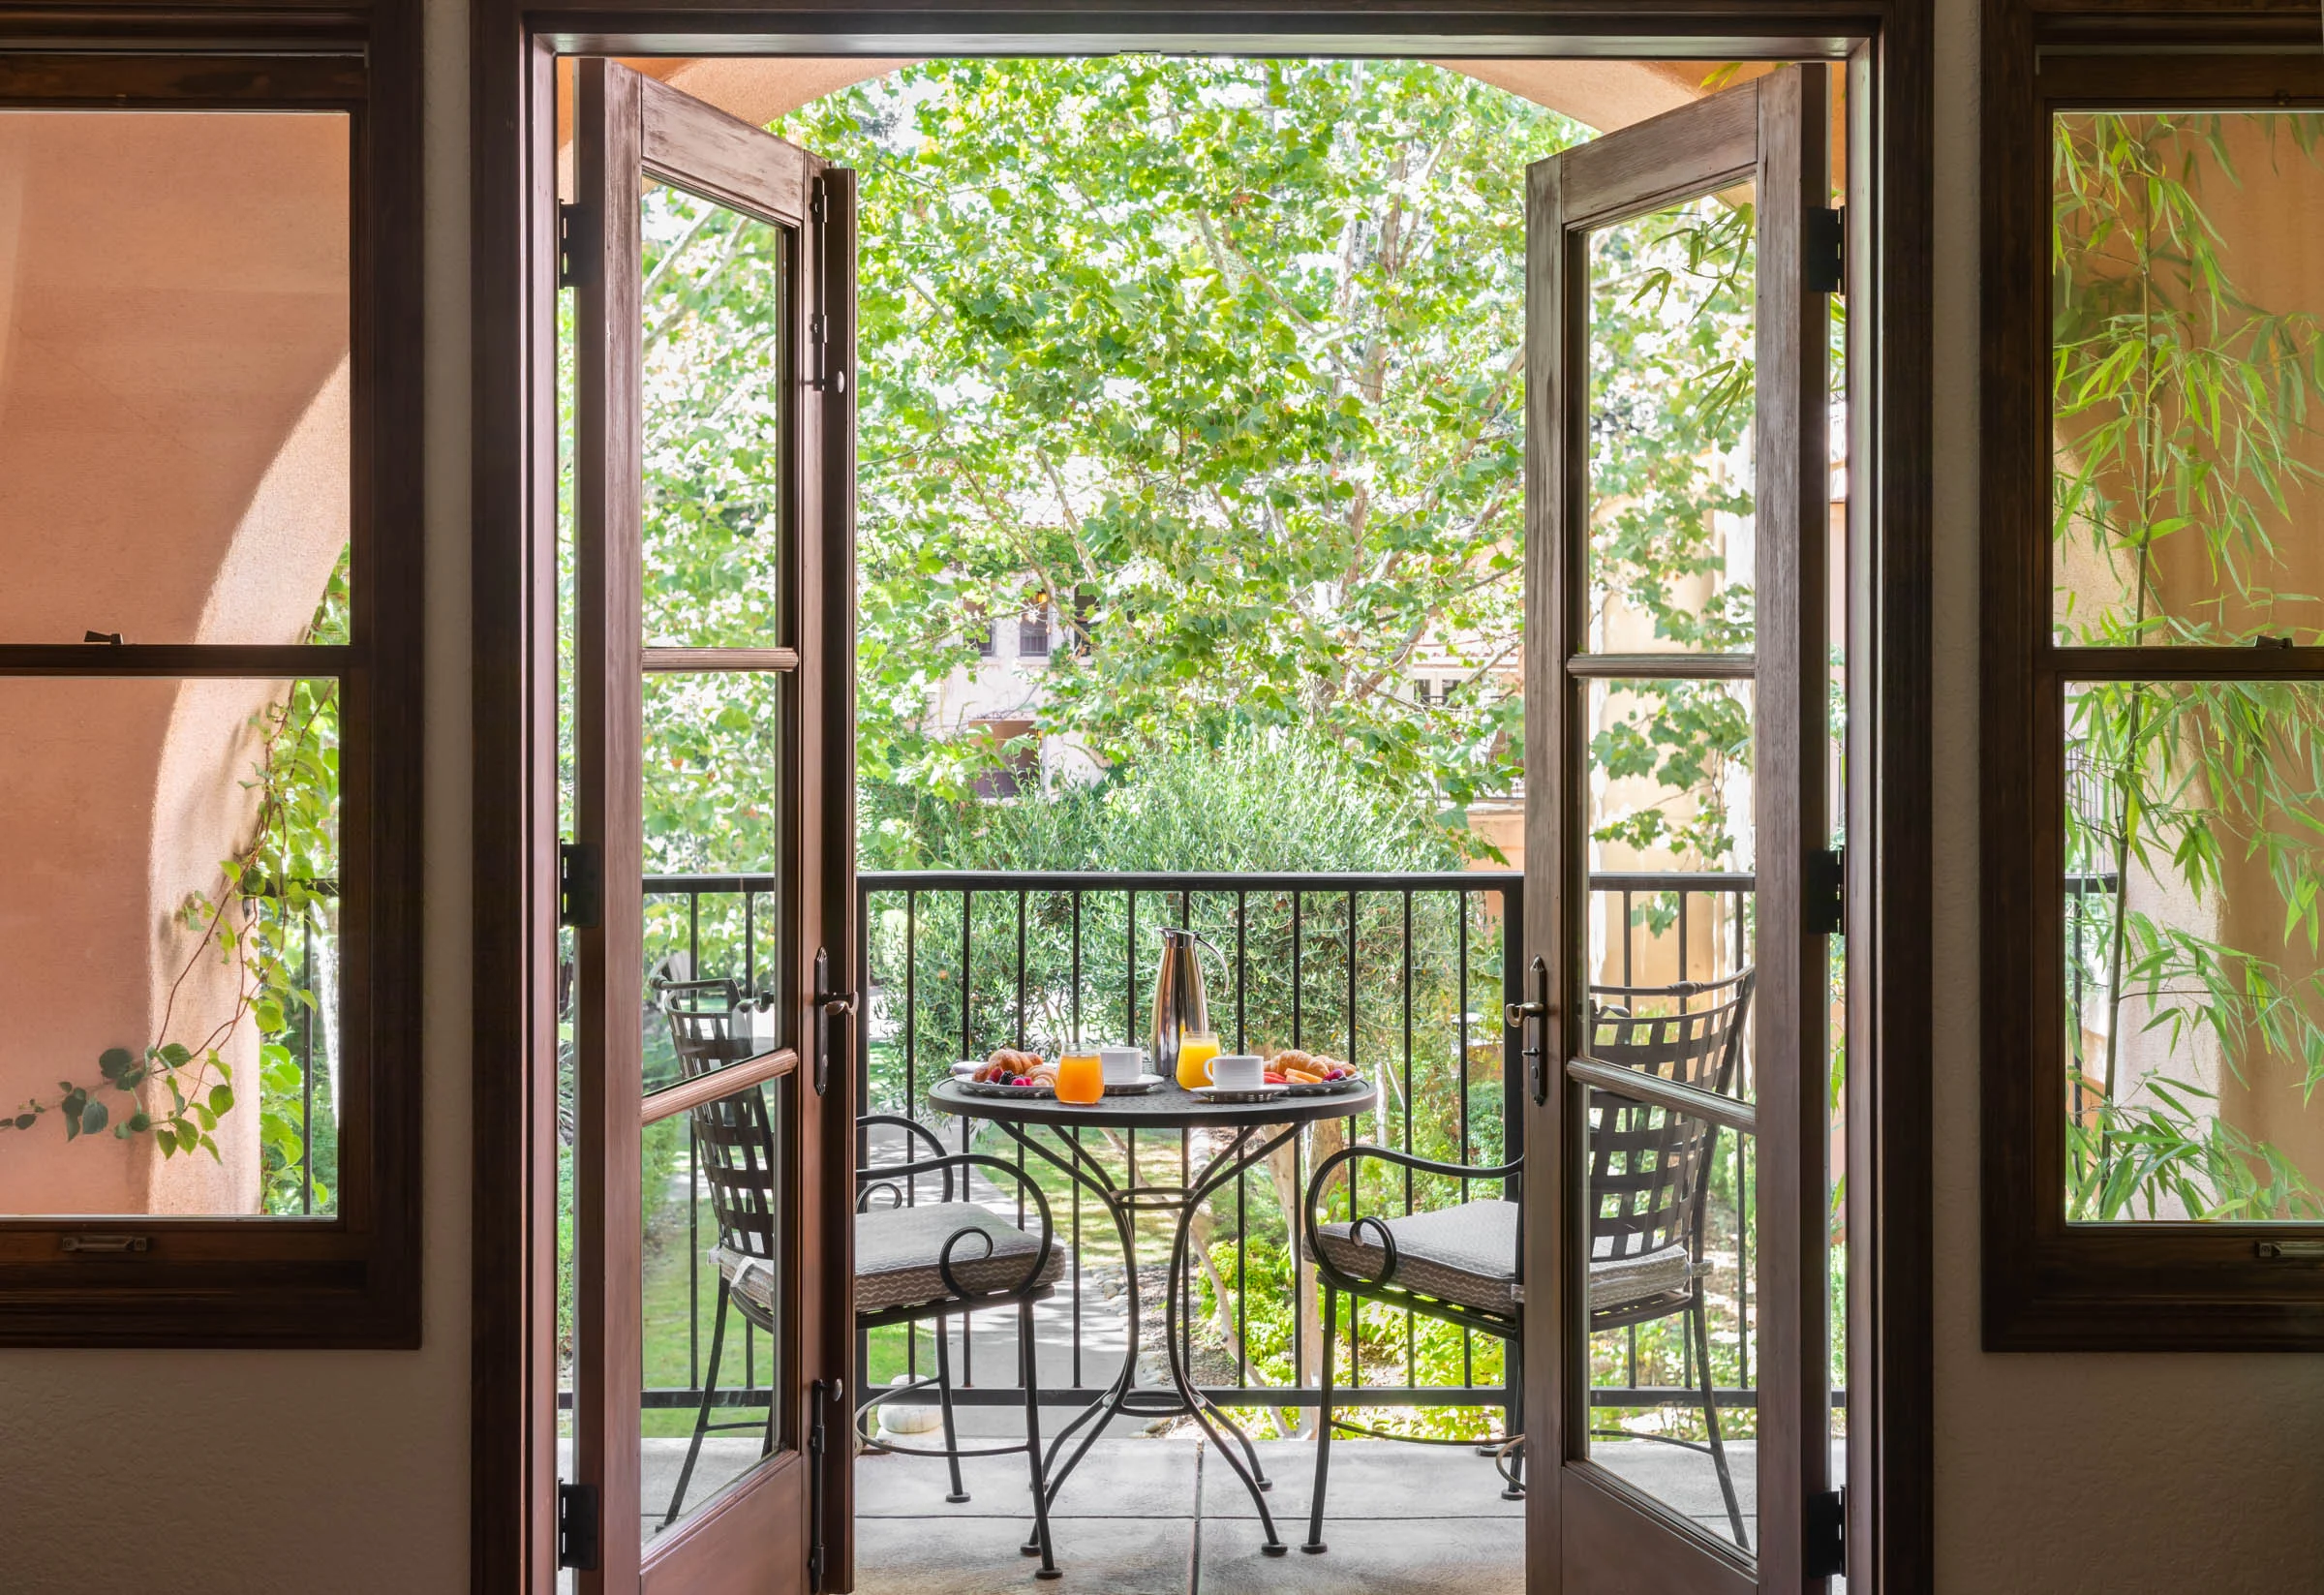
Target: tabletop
[(1167, 1108)]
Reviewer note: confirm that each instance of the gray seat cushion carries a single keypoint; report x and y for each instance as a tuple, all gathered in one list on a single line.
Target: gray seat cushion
[(1467, 1254), (1619, 1281), (897, 1251)]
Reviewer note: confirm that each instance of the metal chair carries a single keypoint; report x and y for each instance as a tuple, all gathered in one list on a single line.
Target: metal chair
[(1460, 1265), (914, 1260), (913, 1264), (1457, 1265), (1647, 1175)]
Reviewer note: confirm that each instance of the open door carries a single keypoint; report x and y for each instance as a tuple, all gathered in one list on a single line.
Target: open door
[(1670, 1102), (711, 639)]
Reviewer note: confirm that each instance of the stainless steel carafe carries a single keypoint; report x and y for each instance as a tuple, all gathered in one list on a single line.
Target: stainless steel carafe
[(1181, 1004)]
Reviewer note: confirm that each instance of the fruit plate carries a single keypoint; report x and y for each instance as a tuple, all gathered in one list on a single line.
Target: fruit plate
[(992, 1088), (1327, 1088)]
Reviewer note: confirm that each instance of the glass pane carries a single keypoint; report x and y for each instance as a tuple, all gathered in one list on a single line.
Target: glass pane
[(1672, 1225), (2194, 902), (713, 1198), (2189, 404), (1671, 390), (1669, 766), (171, 849), (717, 324), (715, 772), (713, 992), (174, 453)]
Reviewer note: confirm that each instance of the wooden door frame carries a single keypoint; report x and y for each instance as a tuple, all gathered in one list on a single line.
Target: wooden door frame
[(1770, 131), (513, 254)]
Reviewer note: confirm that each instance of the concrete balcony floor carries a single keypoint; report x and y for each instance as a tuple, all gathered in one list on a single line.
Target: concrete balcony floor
[(1167, 1517)]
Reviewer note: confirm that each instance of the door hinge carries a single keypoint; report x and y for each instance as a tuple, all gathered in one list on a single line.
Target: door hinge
[(1826, 247), (1825, 1551), (572, 243), (1825, 890), (578, 1526), (580, 886)]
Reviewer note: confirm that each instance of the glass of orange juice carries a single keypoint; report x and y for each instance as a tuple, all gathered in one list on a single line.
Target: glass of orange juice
[(1081, 1077), (1196, 1050)]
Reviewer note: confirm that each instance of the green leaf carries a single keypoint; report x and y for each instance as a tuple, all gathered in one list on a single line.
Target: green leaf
[(92, 1118)]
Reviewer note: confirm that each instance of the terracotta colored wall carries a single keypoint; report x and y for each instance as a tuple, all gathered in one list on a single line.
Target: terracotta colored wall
[(173, 466)]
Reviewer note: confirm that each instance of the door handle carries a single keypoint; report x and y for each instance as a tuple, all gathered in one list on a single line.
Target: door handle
[(1520, 1017), (829, 1005)]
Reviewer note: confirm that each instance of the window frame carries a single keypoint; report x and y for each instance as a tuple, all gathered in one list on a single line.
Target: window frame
[(352, 1278), (2051, 1285)]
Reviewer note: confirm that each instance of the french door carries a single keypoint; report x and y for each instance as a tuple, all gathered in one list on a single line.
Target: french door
[(1678, 763), (712, 670)]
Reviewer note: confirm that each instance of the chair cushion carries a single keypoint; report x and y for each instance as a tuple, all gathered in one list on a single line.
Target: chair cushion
[(897, 1251), (1618, 1281), (1465, 1254)]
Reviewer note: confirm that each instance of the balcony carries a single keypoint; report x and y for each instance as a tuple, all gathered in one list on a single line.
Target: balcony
[(1404, 975)]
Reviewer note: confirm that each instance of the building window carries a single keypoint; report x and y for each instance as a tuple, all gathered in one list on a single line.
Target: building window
[(2153, 693), (210, 678), (1032, 634)]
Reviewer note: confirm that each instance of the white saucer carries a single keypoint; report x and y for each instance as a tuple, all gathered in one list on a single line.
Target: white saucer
[(1237, 1094)]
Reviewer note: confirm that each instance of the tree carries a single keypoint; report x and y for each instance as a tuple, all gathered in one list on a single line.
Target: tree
[(1222, 358)]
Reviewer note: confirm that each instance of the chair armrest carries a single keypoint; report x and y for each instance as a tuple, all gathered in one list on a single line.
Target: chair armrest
[(869, 1179)]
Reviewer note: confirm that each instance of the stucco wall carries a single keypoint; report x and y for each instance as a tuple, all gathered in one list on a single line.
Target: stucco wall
[(244, 1473), (2122, 1474)]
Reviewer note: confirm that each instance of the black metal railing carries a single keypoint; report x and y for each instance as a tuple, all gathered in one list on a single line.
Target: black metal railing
[(1406, 974), (1401, 974)]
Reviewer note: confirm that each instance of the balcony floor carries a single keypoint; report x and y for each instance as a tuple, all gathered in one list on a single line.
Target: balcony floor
[(1166, 1516)]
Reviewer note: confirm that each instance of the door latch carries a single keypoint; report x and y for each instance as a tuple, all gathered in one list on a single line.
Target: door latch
[(820, 1396), (829, 1005), (1520, 1016)]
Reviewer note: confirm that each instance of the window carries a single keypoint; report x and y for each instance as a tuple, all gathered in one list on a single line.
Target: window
[(1032, 634), (208, 696), (2155, 1163)]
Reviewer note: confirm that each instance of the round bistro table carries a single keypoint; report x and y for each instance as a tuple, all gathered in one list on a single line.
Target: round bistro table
[(1253, 1129)]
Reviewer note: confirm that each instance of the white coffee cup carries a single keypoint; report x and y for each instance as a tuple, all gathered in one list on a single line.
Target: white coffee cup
[(1238, 1071), (1124, 1065)]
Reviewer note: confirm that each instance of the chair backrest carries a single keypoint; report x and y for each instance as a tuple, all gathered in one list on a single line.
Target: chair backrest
[(734, 1155), (704, 1022), (734, 1140), (1647, 1163)]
